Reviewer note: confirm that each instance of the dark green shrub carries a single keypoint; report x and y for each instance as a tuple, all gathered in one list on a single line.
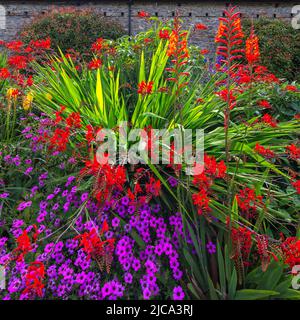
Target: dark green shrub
[(71, 28), (279, 45)]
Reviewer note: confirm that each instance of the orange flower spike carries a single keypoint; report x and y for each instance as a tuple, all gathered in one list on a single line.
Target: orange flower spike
[(252, 48)]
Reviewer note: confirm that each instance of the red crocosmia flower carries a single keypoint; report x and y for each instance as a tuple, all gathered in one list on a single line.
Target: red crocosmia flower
[(97, 46), (23, 246), (18, 62), (291, 88), (143, 14), (291, 251), (201, 201), (264, 104), (101, 251), (241, 244), (147, 40), (74, 120), (95, 64), (223, 94), (268, 153), (268, 119), (296, 185), (248, 202), (28, 50), (262, 74), (89, 133), (204, 51), (107, 178), (229, 36), (41, 44), (145, 88), (203, 181), (29, 81), (59, 140), (105, 227), (34, 280), (153, 187), (4, 73), (294, 152), (14, 45), (164, 34), (58, 117), (200, 26)]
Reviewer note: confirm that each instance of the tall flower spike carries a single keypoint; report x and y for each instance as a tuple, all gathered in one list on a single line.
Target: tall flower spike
[(252, 48), (229, 36)]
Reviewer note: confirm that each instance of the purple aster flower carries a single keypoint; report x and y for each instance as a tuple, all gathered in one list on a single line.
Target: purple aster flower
[(17, 223), (115, 222), (125, 201), (211, 248), (4, 195), (173, 182), (28, 171), (128, 277), (178, 293), (84, 196), (50, 196)]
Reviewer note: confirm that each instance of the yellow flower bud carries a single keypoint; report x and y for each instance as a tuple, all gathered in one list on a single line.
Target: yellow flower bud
[(27, 101)]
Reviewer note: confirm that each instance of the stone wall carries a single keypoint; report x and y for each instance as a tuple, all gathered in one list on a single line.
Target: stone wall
[(18, 13)]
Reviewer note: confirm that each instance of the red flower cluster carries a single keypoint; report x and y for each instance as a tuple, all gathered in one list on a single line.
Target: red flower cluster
[(44, 44), (200, 26), (23, 246), (146, 186), (291, 251), (241, 245), (264, 104), (4, 73), (59, 140), (224, 95), (269, 120), (18, 62), (252, 48), (92, 244), (95, 64), (248, 202), (143, 14), (262, 74), (16, 45), (73, 120), (97, 46), (34, 280), (293, 151), (203, 181), (268, 153), (108, 178), (291, 88), (145, 88), (100, 251), (164, 34)]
